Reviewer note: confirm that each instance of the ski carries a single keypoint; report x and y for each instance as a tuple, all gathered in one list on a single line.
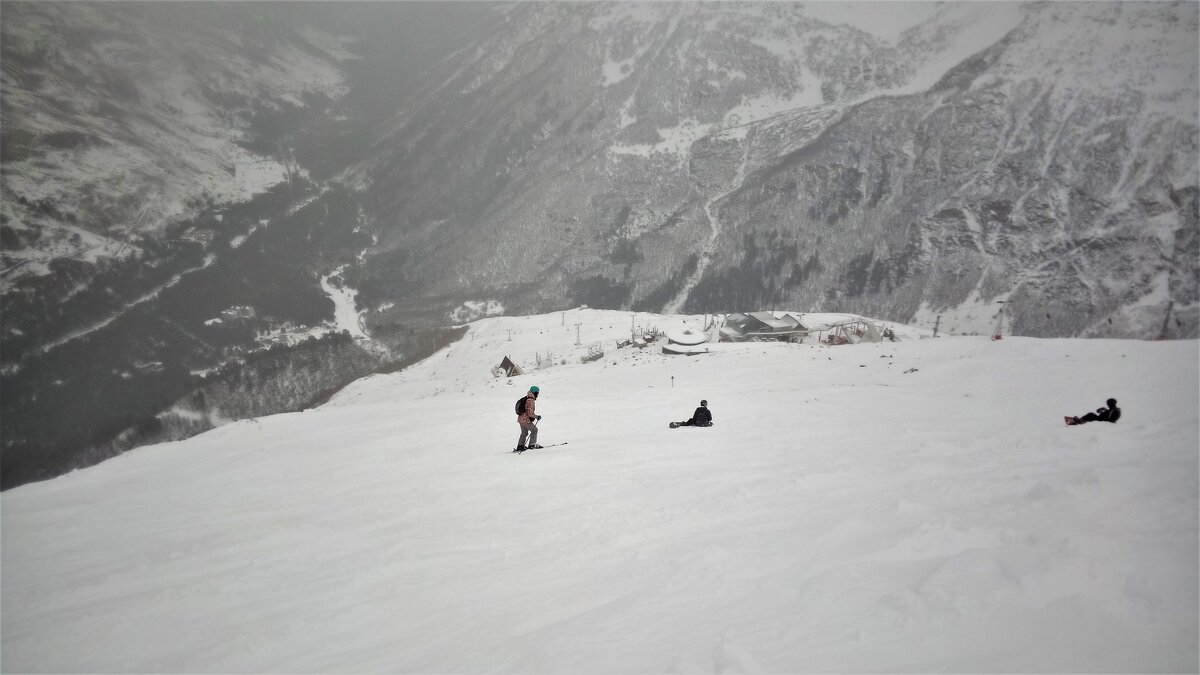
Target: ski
[(544, 446)]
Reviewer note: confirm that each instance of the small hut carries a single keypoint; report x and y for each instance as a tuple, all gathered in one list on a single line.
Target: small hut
[(507, 369)]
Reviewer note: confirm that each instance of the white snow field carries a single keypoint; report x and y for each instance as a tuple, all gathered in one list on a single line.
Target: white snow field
[(915, 506)]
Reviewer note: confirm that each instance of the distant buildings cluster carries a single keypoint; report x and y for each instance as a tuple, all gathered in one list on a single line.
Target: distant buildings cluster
[(740, 327), (790, 327)]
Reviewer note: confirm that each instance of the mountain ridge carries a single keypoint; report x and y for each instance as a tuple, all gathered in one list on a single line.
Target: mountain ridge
[(660, 199)]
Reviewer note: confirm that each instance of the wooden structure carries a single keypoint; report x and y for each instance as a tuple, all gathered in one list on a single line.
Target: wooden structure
[(853, 331), (507, 369)]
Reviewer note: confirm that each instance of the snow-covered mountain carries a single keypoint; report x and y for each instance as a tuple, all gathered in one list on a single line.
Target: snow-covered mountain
[(187, 189), (121, 119), (165, 222), (717, 156), (653, 155), (910, 506)]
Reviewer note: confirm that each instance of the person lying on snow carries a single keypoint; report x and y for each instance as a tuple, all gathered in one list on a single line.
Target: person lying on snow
[(701, 418), (1110, 414)]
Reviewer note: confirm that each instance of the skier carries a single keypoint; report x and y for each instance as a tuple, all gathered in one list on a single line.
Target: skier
[(1110, 414), (701, 418), (527, 417)]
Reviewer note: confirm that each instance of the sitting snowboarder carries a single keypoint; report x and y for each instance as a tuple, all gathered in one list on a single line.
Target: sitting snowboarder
[(701, 418), (1110, 414)]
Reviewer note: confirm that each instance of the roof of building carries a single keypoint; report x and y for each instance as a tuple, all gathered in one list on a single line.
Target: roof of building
[(687, 336), (774, 322)]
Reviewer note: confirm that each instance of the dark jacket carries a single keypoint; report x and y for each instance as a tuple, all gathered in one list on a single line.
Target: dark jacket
[(530, 409), (1101, 415), (702, 416)]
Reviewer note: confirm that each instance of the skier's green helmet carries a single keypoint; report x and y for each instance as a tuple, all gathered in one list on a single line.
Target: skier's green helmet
[(534, 389)]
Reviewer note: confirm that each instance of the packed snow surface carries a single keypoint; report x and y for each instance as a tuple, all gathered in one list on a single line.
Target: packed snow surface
[(899, 506)]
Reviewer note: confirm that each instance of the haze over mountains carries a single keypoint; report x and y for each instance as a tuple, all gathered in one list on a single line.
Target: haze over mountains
[(664, 155), (185, 185)]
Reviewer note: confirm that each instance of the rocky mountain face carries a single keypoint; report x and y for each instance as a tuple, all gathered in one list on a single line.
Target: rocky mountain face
[(717, 157), (121, 118)]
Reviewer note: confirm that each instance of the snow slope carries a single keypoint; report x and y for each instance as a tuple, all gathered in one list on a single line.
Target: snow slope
[(909, 506)]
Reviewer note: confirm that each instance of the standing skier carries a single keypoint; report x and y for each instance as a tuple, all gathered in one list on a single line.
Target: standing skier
[(701, 418), (527, 417)]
